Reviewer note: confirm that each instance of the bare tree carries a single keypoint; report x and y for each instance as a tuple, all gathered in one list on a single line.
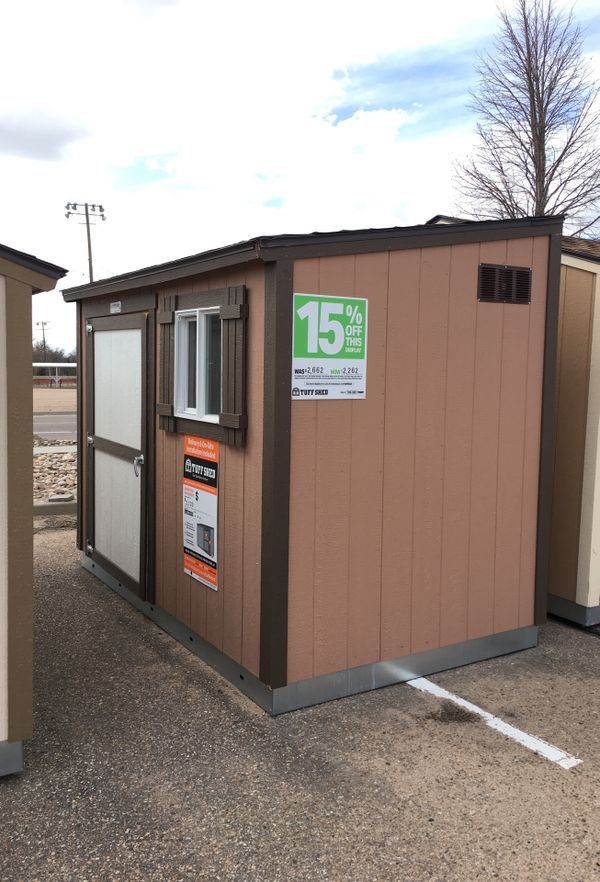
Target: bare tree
[(538, 151)]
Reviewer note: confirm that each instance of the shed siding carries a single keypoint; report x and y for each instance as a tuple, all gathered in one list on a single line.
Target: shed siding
[(424, 495), (230, 617), (574, 354)]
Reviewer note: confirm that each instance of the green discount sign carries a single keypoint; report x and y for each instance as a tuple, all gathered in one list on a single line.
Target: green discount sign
[(329, 347), (330, 327)]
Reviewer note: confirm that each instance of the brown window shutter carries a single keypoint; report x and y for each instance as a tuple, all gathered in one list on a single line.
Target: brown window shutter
[(166, 321), (233, 315)]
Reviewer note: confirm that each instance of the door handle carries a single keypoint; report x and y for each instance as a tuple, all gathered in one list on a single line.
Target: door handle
[(138, 462)]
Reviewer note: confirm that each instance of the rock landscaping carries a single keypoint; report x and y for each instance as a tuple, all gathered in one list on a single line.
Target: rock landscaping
[(54, 473)]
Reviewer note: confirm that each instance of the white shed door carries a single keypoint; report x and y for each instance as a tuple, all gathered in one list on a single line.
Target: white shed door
[(116, 439)]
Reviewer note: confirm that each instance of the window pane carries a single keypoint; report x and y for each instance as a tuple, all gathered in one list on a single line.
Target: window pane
[(213, 364), (192, 330)]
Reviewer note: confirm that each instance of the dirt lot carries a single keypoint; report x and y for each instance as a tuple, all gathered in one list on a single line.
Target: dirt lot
[(54, 400), (148, 766)]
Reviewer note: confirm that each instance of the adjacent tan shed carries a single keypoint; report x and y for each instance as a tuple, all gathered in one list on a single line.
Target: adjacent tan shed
[(575, 544), (21, 275), (367, 528)]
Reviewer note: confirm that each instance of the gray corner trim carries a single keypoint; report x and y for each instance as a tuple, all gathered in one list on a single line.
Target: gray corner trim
[(245, 681), (330, 686), (400, 670), (11, 757), (573, 612)]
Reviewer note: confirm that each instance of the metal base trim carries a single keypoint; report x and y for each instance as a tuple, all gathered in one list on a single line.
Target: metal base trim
[(400, 670), (574, 612), (245, 681), (11, 757), (340, 684)]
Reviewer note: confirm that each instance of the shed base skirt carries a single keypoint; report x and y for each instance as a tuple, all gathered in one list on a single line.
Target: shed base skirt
[(11, 757), (329, 686), (574, 612)]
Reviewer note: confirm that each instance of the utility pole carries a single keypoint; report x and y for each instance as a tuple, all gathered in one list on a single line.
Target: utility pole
[(89, 210), (43, 326)]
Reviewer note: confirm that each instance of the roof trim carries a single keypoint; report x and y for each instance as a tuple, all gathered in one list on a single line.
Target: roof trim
[(30, 262), (317, 244)]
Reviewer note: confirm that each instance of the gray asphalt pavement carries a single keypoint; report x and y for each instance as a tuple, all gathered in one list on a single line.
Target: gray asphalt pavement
[(148, 766), (55, 426)]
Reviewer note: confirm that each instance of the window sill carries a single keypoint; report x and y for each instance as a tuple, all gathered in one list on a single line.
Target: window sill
[(207, 429)]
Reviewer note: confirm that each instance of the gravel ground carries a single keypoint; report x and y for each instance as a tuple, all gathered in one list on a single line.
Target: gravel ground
[(53, 472), (148, 766)]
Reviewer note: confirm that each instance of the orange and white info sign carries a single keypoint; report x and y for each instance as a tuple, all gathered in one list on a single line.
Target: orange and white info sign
[(200, 509)]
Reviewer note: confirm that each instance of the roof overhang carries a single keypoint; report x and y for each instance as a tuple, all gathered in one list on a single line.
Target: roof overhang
[(297, 247), (41, 275)]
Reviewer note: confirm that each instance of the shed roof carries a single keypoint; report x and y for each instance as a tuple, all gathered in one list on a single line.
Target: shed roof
[(447, 219), (297, 246), (32, 263), (589, 249)]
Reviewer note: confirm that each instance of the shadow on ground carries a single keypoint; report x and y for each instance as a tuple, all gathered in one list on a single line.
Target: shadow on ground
[(148, 766)]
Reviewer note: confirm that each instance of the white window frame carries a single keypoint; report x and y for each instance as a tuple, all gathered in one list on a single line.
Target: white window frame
[(180, 396)]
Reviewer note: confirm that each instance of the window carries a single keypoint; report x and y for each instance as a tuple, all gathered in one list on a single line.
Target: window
[(198, 370), (202, 358)]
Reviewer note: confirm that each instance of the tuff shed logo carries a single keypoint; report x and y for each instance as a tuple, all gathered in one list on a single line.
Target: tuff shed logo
[(295, 392), (200, 470)]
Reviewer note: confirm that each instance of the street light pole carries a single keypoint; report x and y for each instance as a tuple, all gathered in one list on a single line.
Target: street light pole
[(95, 211)]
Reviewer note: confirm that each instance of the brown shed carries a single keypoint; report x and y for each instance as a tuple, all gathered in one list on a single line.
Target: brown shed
[(575, 547), (21, 275), (322, 462)]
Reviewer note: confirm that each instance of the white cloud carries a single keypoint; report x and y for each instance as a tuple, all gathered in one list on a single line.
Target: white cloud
[(187, 119)]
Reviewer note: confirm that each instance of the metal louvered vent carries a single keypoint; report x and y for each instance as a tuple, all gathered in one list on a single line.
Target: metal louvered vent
[(504, 284)]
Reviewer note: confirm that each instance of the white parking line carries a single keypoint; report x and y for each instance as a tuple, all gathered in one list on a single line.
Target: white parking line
[(537, 745)]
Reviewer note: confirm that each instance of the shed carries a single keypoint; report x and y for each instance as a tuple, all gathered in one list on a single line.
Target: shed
[(21, 275), (575, 548), (322, 462)]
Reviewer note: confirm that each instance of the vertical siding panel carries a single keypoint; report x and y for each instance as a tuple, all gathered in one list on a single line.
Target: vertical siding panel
[(576, 324), (214, 599), (231, 614), (484, 461), (198, 591), (535, 370), (182, 580), (513, 392), (231, 582), (232, 575), (429, 455), (462, 319), (158, 493), (171, 548), (399, 452), (253, 452), (334, 445), (366, 472), (185, 584), (158, 527), (303, 468)]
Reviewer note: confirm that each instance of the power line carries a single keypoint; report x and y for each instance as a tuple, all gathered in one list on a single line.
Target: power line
[(89, 210)]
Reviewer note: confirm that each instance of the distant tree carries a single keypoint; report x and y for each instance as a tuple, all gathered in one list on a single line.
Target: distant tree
[(538, 150), (52, 353)]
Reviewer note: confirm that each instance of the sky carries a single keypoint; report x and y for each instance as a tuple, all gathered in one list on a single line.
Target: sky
[(198, 124)]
